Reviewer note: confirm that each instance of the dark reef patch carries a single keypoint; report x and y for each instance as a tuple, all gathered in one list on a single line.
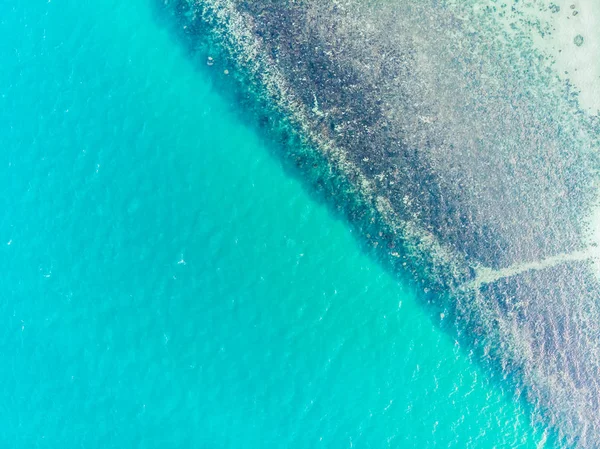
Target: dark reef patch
[(456, 162)]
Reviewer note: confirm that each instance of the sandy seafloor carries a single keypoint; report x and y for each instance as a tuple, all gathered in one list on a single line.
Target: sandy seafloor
[(166, 283)]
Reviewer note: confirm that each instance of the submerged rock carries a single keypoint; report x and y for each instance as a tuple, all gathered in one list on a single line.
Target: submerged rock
[(470, 155)]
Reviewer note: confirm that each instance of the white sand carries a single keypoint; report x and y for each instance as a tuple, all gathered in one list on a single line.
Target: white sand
[(554, 25), (579, 64)]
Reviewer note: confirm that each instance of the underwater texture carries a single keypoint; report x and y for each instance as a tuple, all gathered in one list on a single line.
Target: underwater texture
[(307, 224), (463, 154)]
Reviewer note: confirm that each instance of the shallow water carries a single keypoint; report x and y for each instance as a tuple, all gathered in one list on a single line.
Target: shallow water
[(166, 283)]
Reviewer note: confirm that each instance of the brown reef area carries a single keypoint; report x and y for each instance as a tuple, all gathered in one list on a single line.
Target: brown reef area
[(475, 168)]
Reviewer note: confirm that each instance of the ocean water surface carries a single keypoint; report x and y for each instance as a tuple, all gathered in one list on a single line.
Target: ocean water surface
[(165, 283)]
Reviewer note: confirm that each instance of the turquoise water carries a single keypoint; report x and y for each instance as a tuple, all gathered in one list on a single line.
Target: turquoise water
[(165, 282)]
